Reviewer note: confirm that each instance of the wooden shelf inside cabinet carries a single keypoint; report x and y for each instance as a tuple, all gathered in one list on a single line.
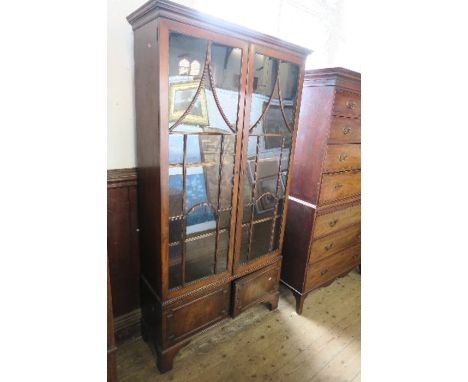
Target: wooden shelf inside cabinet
[(216, 115), (322, 239)]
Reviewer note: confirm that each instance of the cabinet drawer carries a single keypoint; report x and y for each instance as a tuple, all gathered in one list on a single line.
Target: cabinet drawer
[(342, 157), (194, 314), (254, 288), (346, 103), (334, 221), (339, 186), (331, 244), (345, 130), (331, 267)]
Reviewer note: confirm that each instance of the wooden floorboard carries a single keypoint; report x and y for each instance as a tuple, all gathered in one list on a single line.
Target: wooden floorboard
[(321, 345)]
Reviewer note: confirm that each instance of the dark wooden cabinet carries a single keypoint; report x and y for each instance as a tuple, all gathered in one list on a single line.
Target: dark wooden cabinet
[(216, 108), (323, 233)]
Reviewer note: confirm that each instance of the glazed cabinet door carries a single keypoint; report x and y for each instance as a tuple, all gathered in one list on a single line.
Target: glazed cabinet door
[(205, 77), (269, 126)]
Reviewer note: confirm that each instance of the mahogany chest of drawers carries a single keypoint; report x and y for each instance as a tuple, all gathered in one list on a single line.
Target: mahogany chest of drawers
[(323, 232)]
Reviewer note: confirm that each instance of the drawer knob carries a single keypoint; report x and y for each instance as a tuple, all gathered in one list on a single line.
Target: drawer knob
[(323, 272), (333, 223), (338, 186), (329, 246), (343, 157), (351, 105), (346, 130)]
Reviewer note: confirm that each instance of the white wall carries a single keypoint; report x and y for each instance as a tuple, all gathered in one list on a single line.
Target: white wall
[(328, 27)]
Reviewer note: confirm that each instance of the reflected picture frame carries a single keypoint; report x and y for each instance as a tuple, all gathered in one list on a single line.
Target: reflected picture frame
[(180, 96)]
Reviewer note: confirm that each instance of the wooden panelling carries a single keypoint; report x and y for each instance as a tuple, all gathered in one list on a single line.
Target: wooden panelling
[(122, 240), (345, 130), (331, 244), (342, 157), (339, 186), (111, 348), (334, 221)]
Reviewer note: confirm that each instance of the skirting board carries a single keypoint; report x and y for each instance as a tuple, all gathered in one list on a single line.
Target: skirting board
[(127, 326)]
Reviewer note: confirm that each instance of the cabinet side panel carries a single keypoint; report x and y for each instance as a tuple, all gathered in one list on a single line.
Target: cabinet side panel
[(148, 151), (296, 244), (314, 122)]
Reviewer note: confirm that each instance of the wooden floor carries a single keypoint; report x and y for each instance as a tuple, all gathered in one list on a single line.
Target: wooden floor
[(324, 344)]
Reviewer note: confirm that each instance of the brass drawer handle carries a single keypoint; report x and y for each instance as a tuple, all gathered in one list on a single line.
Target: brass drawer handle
[(329, 246), (346, 130), (343, 157), (338, 186), (351, 105), (333, 223), (323, 272)]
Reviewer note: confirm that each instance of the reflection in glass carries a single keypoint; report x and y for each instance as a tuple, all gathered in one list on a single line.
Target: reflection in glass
[(175, 266), (184, 67), (199, 258), (265, 178), (194, 105), (194, 68), (175, 191), (204, 83)]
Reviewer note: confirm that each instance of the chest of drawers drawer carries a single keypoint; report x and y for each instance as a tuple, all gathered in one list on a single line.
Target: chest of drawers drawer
[(342, 157), (339, 186), (331, 244), (347, 104), (345, 130), (331, 267), (328, 223)]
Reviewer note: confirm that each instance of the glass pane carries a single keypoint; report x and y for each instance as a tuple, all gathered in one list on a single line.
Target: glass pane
[(265, 73), (261, 235), (289, 74), (224, 219), (264, 207), (202, 186), (175, 230), (203, 104), (273, 121), (224, 75), (267, 154), (175, 191), (200, 220), (211, 109), (184, 82), (176, 148), (223, 244), (199, 258), (244, 244), (227, 182), (175, 266)]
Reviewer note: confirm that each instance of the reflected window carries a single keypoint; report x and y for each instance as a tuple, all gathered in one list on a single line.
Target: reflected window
[(195, 68), (184, 67)]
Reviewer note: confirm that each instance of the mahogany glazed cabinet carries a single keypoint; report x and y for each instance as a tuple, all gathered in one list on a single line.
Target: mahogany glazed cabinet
[(216, 108), (323, 229)]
